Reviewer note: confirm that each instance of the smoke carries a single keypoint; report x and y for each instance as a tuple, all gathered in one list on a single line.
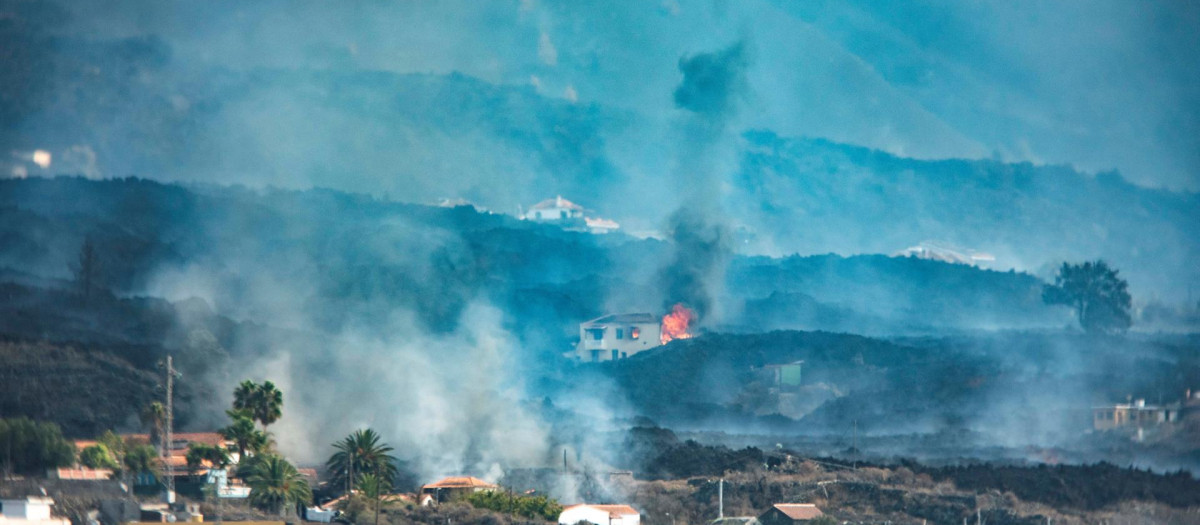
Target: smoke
[(449, 403), (713, 88), (713, 83)]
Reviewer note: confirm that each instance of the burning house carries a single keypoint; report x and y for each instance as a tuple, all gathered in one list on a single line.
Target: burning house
[(618, 336)]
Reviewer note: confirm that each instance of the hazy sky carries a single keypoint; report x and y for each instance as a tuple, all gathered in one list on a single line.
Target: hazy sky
[(1097, 84)]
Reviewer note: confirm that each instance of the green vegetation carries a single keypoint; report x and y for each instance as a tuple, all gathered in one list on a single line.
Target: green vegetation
[(30, 447), (154, 419), (360, 453), (245, 436), (1099, 297), (142, 459), (520, 505), (264, 403), (276, 485), (200, 455), (97, 456), (375, 489)]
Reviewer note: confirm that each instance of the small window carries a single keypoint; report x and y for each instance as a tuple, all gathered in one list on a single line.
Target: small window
[(634, 332), (562, 214), (596, 333), (616, 355), (620, 333)]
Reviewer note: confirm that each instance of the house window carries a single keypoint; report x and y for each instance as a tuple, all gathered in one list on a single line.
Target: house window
[(596, 333), (562, 214), (595, 355), (620, 333), (616, 355), (634, 332)]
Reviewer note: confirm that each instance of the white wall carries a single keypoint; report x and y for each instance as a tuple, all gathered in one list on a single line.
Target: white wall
[(649, 336), (29, 511), (574, 515)]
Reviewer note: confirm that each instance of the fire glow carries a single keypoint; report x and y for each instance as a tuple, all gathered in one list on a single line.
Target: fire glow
[(675, 324)]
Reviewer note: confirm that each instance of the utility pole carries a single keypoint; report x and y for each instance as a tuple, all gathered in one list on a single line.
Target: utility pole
[(170, 495), (721, 499)]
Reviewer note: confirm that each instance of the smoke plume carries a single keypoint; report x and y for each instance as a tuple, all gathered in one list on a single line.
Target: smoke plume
[(713, 87)]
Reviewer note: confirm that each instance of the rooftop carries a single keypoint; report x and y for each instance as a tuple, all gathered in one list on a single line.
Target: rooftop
[(799, 511), (459, 482), (613, 511), (556, 203), (625, 319)]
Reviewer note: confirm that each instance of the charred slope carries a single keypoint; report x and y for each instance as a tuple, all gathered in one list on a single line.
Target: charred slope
[(84, 389), (998, 389), (365, 257)]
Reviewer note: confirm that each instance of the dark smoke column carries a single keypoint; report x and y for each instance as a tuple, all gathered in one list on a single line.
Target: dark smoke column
[(712, 89)]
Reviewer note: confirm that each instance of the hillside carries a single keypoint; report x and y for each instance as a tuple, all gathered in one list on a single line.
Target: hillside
[(818, 196), (130, 107), (358, 253)]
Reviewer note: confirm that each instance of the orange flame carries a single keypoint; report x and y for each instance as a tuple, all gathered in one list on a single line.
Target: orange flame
[(675, 324)]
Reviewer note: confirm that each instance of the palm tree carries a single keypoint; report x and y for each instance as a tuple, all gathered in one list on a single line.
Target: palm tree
[(276, 485), (268, 403), (375, 489), (361, 453), (243, 395), (154, 416), (143, 459), (244, 435)]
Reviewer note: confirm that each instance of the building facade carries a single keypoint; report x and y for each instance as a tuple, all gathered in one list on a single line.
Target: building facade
[(617, 336), (600, 515)]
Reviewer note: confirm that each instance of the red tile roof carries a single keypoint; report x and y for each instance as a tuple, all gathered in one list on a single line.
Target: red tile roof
[(459, 482), (83, 473), (799, 511)]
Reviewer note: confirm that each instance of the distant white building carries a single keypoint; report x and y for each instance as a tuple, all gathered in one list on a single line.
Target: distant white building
[(939, 251), (569, 216), (617, 336), (557, 209), (31, 510), (600, 515)]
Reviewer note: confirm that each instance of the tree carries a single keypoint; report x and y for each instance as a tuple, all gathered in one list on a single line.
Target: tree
[(243, 395), (263, 402), (154, 418), (116, 448), (244, 435), (275, 484), (375, 489), (201, 455), (1098, 295), (361, 452), (143, 459), (268, 404), (32, 447), (97, 456)]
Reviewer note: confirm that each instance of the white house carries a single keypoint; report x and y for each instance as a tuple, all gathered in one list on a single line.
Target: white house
[(600, 515), (557, 209), (31, 510), (617, 336)]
